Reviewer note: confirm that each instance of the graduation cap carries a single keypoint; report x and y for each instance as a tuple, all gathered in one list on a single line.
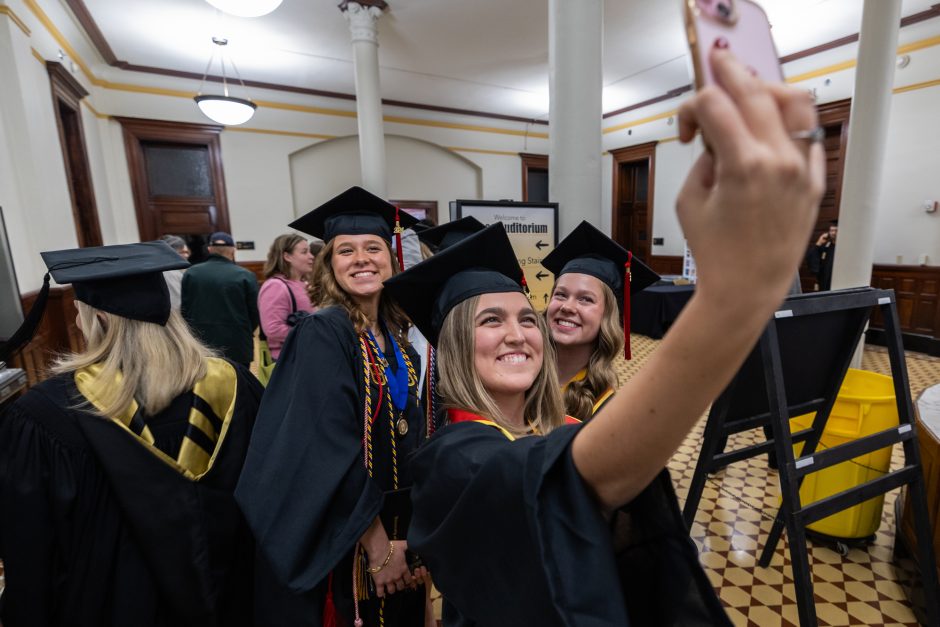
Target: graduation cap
[(355, 212), (588, 251), (446, 235), (126, 280), (482, 263)]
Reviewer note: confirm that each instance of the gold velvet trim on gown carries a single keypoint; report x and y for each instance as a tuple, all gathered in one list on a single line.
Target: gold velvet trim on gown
[(215, 392)]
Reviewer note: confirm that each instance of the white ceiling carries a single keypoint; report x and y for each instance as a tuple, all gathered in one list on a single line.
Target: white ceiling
[(482, 55)]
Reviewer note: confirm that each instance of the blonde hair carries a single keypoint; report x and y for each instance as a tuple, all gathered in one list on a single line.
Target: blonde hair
[(325, 291), (461, 387), (580, 396), (156, 363), (276, 264)]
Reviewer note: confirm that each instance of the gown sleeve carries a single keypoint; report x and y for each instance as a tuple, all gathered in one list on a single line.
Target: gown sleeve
[(304, 489), (477, 496), (26, 519)]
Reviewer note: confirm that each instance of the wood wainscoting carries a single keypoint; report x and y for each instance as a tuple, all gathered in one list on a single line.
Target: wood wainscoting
[(917, 291), (666, 264), (256, 267), (57, 333)]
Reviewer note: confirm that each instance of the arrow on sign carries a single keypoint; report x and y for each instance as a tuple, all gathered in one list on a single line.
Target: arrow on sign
[(540, 244), (540, 275)]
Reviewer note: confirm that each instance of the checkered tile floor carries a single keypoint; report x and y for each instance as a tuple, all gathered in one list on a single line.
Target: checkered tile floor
[(735, 516)]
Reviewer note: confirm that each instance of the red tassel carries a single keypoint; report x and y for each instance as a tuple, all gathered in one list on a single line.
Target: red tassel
[(627, 277), (398, 230), (329, 608), (524, 283)]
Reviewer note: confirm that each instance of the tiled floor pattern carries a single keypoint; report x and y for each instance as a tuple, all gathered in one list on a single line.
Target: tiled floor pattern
[(736, 513)]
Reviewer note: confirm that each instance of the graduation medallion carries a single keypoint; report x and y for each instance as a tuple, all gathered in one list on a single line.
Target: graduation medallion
[(402, 426)]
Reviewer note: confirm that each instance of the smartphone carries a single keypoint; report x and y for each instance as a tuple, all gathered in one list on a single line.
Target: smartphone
[(741, 26)]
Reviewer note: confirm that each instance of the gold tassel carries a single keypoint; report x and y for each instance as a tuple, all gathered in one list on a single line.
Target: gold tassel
[(360, 563)]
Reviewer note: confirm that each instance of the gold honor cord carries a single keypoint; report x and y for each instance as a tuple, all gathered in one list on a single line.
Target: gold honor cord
[(209, 417)]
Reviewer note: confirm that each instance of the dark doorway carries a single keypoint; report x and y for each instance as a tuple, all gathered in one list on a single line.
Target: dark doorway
[(534, 177), (634, 170), (176, 177), (67, 94), (834, 118)]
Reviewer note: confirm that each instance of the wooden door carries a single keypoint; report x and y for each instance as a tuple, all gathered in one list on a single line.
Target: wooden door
[(67, 94), (633, 198), (834, 118), (176, 176)]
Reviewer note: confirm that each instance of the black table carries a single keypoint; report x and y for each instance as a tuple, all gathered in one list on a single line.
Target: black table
[(654, 309)]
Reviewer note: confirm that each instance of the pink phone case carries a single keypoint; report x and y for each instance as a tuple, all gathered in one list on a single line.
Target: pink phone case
[(748, 38)]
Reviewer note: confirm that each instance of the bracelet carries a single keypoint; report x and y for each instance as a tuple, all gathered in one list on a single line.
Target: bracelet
[(375, 569)]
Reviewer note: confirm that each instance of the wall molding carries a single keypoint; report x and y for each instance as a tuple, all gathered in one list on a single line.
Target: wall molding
[(5, 10)]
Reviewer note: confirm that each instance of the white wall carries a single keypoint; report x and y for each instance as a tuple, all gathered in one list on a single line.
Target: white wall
[(417, 170)]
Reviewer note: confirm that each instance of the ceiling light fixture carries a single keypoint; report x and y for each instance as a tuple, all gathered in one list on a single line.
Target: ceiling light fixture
[(225, 109), (245, 8)]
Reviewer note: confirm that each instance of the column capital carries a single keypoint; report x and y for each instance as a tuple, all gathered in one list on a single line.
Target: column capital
[(362, 17)]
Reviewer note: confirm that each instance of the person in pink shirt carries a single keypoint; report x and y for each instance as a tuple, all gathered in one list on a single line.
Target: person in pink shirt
[(283, 297)]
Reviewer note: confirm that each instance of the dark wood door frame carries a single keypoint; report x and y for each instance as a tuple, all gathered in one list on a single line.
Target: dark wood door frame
[(67, 94), (430, 206), (631, 154), (834, 118), (138, 130), (531, 161)]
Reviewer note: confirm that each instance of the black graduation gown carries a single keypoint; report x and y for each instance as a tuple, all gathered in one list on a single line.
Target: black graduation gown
[(305, 491), (513, 537), (96, 530)]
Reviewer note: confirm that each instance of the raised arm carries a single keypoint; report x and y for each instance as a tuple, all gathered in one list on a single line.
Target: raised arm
[(747, 209)]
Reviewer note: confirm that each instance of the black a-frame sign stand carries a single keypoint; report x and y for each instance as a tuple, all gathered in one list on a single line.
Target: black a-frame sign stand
[(797, 368)]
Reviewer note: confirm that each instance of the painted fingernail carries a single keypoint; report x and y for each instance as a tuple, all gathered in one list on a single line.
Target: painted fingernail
[(721, 43)]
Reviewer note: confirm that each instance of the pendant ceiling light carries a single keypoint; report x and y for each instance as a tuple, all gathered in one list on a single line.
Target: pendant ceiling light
[(224, 109), (246, 8)]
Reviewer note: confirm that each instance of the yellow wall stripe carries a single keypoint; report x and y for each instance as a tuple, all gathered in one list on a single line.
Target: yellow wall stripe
[(5, 10), (845, 65), (463, 127), (504, 153), (265, 131), (102, 116), (304, 108), (916, 86), (37, 55), (652, 118)]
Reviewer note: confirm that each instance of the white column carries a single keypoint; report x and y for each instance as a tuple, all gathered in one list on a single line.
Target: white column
[(868, 134), (365, 43), (575, 44)]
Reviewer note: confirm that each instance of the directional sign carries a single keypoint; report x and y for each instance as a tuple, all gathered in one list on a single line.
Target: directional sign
[(533, 231)]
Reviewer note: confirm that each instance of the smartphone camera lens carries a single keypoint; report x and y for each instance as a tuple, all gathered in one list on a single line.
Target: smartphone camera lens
[(724, 10)]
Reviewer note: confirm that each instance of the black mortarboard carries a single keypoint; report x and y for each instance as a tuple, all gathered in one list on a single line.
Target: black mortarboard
[(446, 235), (588, 251), (126, 280), (482, 263), (354, 212)]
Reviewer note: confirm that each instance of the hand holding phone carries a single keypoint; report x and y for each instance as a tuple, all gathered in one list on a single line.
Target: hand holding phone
[(741, 27)]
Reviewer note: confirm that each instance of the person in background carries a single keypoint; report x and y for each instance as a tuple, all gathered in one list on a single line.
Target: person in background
[(117, 473), (283, 298), (520, 516), (822, 255), (174, 278), (594, 277), (220, 301)]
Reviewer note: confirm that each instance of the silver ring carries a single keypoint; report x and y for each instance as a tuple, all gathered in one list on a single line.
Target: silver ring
[(813, 135)]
